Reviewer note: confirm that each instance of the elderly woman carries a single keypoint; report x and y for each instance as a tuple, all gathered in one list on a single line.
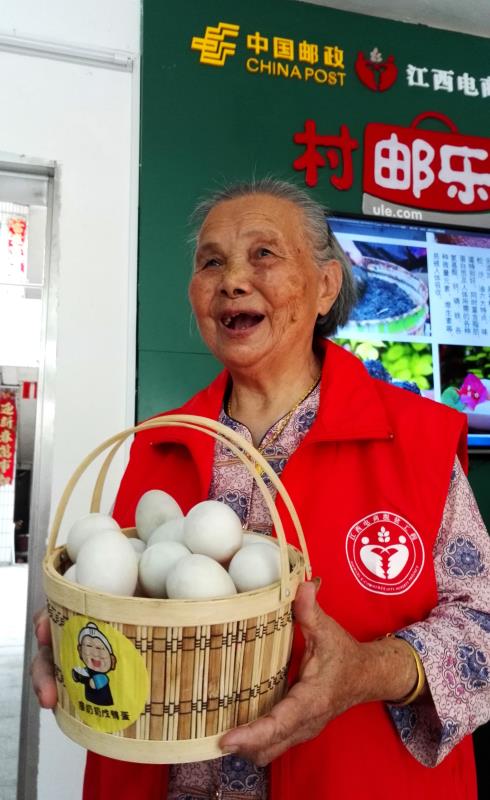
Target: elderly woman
[(391, 674)]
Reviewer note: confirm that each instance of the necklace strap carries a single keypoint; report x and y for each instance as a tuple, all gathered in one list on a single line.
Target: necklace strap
[(285, 418)]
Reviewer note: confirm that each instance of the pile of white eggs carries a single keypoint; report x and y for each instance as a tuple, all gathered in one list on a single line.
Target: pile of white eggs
[(203, 555)]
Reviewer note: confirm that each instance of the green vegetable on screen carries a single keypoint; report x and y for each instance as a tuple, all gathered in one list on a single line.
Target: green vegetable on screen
[(405, 361)]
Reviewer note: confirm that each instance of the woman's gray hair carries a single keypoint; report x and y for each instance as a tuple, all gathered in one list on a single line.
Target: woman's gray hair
[(323, 243)]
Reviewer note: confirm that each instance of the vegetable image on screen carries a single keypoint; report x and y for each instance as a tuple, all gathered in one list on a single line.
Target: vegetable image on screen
[(465, 382), (391, 300), (391, 275), (405, 364)]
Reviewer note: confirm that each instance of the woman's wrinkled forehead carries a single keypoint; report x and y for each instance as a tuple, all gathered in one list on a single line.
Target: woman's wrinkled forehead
[(254, 215)]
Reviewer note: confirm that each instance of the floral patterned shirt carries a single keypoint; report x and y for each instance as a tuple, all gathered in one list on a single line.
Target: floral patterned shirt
[(453, 642)]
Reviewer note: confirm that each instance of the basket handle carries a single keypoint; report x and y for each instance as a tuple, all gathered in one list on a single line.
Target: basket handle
[(246, 453)]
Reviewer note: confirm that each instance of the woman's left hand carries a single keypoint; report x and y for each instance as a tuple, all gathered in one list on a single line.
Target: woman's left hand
[(329, 682)]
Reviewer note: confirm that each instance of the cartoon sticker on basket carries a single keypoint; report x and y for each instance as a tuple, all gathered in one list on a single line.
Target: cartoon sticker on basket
[(104, 673), (96, 653)]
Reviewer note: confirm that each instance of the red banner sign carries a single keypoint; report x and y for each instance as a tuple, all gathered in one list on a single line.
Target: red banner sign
[(29, 390), (8, 426), (444, 171)]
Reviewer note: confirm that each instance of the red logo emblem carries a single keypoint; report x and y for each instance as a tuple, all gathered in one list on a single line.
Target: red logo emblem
[(385, 553), (376, 73)]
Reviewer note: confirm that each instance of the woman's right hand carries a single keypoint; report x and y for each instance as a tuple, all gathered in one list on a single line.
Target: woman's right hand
[(42, 667)]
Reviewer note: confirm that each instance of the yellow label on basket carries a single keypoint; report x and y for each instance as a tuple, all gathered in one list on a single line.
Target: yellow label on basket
[(104, 673)]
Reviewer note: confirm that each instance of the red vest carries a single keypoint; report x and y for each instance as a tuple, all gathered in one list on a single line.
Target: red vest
[(374, 453)]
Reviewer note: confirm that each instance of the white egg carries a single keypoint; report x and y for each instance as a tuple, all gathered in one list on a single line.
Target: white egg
[(85, 527), (155, 564), (171, 531), (71, 574), (137, 544), (107, 562), (199, 577), (154, 508), (213, 529), (255, 566), (258, 538)]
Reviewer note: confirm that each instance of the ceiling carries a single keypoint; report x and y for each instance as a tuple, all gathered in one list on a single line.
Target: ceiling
[(472, 16)]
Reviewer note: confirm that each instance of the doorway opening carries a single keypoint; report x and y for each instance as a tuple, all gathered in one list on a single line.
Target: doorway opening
[(27, 339)]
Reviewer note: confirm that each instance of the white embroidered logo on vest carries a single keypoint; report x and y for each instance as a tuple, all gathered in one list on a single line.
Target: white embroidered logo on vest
[(385, 553)]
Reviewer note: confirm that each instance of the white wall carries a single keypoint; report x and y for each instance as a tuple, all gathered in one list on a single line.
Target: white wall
[(84, 118)]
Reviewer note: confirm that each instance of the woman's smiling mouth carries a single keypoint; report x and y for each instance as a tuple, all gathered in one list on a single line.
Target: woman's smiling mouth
[(241, 321)]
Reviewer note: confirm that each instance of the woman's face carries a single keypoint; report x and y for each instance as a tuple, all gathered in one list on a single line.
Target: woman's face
[(256, 290), (95, 654)]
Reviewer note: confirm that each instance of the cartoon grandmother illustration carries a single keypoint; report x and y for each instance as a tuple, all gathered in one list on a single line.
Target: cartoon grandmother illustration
[(96, 653)]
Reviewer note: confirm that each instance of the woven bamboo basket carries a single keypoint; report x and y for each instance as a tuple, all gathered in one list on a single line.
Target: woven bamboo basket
[(190, 670)]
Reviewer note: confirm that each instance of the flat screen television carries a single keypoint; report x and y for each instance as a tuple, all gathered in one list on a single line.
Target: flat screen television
[(423, 314)]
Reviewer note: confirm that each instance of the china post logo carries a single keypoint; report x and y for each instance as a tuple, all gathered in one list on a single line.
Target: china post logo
[(213, 45)]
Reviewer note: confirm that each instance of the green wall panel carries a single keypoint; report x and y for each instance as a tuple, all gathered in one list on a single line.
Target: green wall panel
[(203, 125), (166, 380), (479, 475)]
